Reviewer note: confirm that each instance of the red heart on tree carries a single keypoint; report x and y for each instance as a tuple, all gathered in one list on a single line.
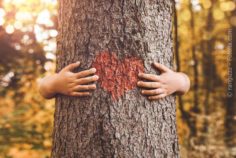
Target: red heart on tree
[(117, 76)]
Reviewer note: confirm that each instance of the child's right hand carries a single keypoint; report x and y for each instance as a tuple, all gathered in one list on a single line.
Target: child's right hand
[(69, 83)]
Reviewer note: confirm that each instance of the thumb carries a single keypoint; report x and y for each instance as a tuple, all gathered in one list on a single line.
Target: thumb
[(72, 66), (161, 67)]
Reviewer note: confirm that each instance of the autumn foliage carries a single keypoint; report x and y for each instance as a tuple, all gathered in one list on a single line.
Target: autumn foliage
[(28, 30)]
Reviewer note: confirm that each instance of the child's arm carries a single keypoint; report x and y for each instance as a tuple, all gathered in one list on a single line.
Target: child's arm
[(168, 82), (68, 83)]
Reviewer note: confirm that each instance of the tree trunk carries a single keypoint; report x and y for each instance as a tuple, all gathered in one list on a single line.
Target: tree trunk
[(119, 38)]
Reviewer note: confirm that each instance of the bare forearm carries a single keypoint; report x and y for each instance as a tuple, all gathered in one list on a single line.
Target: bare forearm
[(47, 86), (184, 83)]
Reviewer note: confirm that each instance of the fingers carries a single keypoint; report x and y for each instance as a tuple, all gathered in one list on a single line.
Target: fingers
[(81, 83), (149, 84), (72, 66), (85, 73), (80, 94), (76, 91), (85, 87), (161, 67), (87, 80), (152, 92), (155, 97), (149, 77)]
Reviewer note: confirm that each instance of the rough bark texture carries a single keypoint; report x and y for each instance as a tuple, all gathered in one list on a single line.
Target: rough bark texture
[(115, 122)]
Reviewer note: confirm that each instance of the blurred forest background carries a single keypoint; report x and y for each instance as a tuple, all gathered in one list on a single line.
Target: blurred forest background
[(204, 47)]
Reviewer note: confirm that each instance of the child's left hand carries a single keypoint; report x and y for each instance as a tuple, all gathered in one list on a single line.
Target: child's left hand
[(167, 83)]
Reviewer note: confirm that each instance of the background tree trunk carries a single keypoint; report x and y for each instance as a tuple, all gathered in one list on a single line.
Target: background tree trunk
[(230, 120), (116, 122)]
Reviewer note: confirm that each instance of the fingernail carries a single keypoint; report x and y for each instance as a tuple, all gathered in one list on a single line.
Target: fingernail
[(96, 76), (139, 74), (94, 69), (78, 62)]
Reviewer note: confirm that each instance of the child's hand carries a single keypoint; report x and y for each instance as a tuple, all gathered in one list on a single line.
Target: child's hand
[(168, 82), (68, 83), (75, 84)]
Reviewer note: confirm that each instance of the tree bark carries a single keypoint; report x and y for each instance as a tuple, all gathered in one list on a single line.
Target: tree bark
[(119, 38)]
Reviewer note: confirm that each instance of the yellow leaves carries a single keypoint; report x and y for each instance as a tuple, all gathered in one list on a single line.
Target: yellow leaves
[(208, 40), (227, 6), (30, 117), (183, 131), (47, 143), (26, 146), (41, 117), (33, 114), (25, 117), (186, 15), (218, 14), (206, 4), (25, 151), (224, 6), (7, 104)]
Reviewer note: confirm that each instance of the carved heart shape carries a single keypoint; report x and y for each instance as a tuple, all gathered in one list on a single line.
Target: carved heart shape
[(117, 76)]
